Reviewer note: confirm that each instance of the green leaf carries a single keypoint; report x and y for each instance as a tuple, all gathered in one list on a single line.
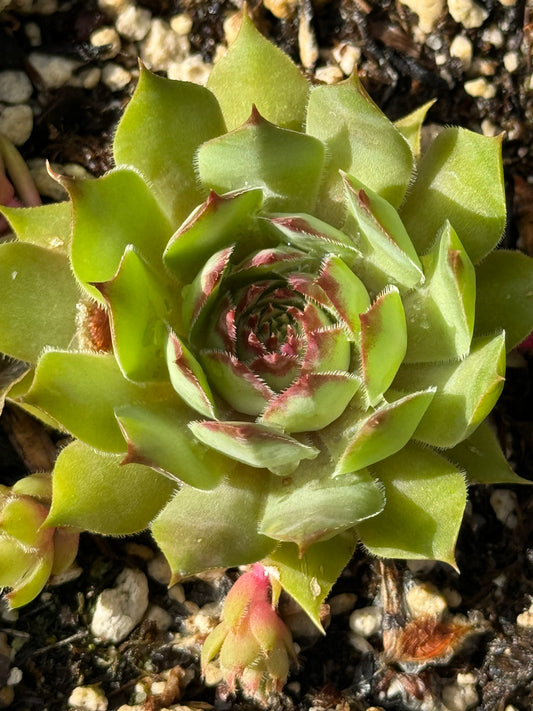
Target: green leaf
[(466, 391), (95, 492), (38, 295), (383, 342), (81, 391), (440, 314), (384, 432), (44, 225), (310, 577), (348, 122), (505, 296), (218, 223), (306, 511), (198, 529), (157, 436), (31, 584), (162, 127), (410, 126), (142, 306), (253, 444), (425, 499), (460, 179), (109, 214), (188, 378), (481, 457), (287, 165), (254, 71), (381, 236)]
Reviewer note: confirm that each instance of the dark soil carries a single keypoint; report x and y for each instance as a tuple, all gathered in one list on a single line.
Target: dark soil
[(51, 641)]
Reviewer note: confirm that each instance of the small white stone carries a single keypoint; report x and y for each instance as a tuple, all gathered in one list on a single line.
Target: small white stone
[(511, 61), (467, 12), (428, 12), (347, 57), (160, 616), (425, 599), (488, 128), (525, 619), (508, 3), (54, 71), (158, 569), (15, 87), (282, 9), (422, 567), (330, 74), (341, 603), (461, 695), (106, 37), (493, 35), (232, 25), (134, 23), (192, 68), (452, 596), (16, 123), (504, 504), (177, 593), (181, 24), (33, 33), (14, 677), (88, 698), (90, 77), (115, 77), (361, 644), (366, 621), (480, 87), (461, 47), (118, 610), (163, 46), (113, 7), (307, 43)]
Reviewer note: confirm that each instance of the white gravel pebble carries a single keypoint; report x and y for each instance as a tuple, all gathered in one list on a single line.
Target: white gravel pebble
[(192, 68), (480, 87), (54, 71), (511, 61), (16, 123), (115, 77), (160, 616), (33, 33), (163, 46), (106, 37), (88, 698), (525, 619), (504, 504), (468, 13), (329, 74), (134, 23), (15, 87), (158, 569), (462, 694), (428, 12), (181, 24), (493, 35), (366, 621), (462, 48), (425, 599), (341, 603), (347, 57), (118, 610), (281, 9)]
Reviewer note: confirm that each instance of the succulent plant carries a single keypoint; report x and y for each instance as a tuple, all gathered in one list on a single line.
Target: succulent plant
[(273, 330)]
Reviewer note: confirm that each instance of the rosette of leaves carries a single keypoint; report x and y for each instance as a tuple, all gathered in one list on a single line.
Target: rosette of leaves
[(274, 329)]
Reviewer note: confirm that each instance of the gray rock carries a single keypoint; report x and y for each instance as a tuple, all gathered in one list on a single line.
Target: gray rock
[(120, 609)]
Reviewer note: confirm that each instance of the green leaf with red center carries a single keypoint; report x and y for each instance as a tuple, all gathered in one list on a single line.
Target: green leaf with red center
[(347, 121), (304, 510), (312, 402), (505, 296), (425, 500), (84, 397), (203, 291), (207, 522), (308, 578), (440, 314), (339, 290), (43, 225), (157, 436), (217, 223), (109, 214), (254, 444), (460, 179), (161, 142), (381, 236), (21, 518), (254, 71), (467, 391), (313, 235), (141, 306), (383, 343), (383, 432), (188, 378), (94, 491), (481, 457), (38, 295), (287, 165), (243, 389)]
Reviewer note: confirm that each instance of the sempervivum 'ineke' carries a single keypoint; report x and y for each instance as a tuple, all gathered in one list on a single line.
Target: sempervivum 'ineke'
[(308, 325)]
